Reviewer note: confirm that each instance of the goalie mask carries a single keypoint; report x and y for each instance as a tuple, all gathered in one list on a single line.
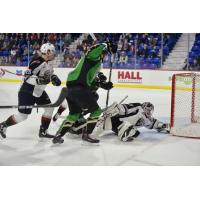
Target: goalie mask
[(148, 108)]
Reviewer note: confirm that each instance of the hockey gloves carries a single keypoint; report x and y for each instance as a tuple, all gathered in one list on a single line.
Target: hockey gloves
[(45, 79), (55, 80), (42, 81), (163, 127), (101, 77), (106, 85)]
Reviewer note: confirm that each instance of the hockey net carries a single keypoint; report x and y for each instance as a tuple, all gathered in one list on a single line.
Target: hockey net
[(185, 105)]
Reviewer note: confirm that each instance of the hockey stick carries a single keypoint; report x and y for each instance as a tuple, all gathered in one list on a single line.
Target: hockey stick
[(62, 96), (2, 72), (103, 110), (5, 70), (110, 74), (13, 73), (93, 36)]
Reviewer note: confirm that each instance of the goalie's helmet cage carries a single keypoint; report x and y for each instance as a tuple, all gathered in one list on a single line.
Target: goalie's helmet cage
[(185, 105)]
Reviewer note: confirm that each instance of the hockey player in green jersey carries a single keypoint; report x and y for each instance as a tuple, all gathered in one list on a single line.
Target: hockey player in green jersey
[(80, 83)]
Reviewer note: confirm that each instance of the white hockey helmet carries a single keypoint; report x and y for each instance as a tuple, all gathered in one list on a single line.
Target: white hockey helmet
[(47, 47)]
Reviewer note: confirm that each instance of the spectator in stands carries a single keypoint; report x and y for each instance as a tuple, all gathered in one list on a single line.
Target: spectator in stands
[(123, 59), (146, 51), (132, 50), (120, 45), (152, 41), (125, 45), (195, 65), (13, 54), (18, 62), (143, 51), (67, 38), (154, 53)]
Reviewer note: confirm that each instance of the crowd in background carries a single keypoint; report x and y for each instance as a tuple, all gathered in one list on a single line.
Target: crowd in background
[(18, 48), (141, 50), (133, 50)]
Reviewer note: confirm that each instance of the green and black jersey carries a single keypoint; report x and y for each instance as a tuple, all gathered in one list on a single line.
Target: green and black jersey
[(87, 68)]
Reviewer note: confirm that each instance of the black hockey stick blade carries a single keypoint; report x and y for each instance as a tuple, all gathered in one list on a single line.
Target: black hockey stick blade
[(62, 96)]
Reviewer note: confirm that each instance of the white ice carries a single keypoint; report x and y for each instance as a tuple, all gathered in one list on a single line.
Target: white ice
[(21, 147)]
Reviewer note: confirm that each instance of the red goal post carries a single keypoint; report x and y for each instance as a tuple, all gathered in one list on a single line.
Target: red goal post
[(185, 105)]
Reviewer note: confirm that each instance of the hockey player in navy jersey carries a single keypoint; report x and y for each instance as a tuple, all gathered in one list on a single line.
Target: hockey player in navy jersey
[(32, 91)]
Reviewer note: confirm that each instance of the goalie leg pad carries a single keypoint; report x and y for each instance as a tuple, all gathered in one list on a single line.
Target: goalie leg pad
[(126, 131), (115, 109), (100, 124)]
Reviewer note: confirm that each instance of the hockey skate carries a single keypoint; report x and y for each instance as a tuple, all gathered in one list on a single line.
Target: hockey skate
[(87, 140), (57, 140), (2, 130), (43, 134)]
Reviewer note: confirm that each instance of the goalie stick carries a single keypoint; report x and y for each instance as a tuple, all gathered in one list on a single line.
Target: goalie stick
[(103, 110), (62, 96), (93, 36)]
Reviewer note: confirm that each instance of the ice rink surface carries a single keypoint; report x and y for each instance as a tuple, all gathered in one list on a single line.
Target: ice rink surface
[(22, 147)]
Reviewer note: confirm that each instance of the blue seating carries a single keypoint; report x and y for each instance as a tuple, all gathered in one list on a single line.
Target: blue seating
[(6, 53)]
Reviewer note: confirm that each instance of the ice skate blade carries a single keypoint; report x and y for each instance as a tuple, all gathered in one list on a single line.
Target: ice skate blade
[(44, 139), (85, 143), (72, 136)]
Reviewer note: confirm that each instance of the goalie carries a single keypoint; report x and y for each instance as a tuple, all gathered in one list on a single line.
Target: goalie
[(125, 119)]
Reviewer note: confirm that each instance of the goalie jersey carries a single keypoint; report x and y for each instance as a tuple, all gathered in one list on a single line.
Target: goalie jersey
[(137, 114)]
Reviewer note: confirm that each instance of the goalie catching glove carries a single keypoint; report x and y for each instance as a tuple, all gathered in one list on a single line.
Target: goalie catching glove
[(161, 127)]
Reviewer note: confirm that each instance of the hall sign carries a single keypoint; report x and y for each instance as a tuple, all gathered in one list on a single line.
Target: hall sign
[(129, 77)]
